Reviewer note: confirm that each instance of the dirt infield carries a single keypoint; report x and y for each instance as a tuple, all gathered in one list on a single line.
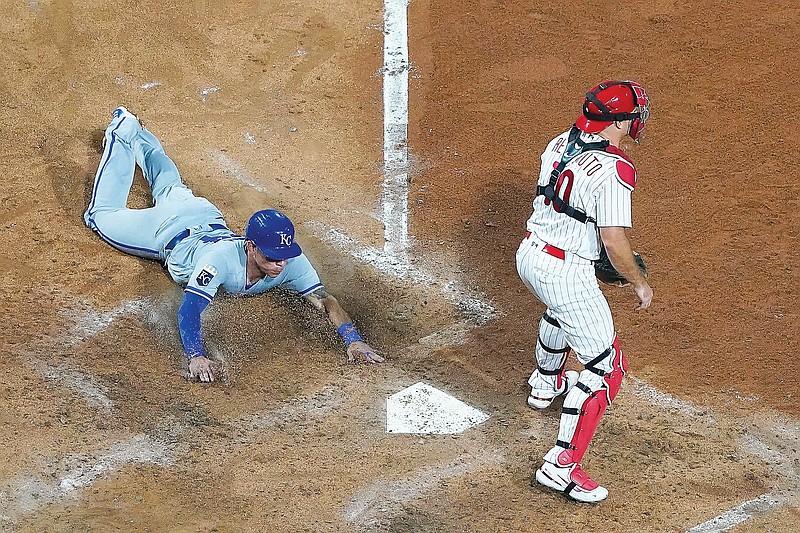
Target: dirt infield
[(277, 103)]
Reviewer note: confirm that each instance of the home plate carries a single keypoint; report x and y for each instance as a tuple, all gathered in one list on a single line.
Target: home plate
[(422, 409)]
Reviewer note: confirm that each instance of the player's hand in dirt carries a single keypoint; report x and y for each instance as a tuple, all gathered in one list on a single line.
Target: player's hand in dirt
[(201, 369), (645, 294), (361, 350)]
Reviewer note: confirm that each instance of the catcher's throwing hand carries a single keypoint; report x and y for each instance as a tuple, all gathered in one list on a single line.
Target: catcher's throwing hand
[(202, 369), (645, 294), (360, 349)]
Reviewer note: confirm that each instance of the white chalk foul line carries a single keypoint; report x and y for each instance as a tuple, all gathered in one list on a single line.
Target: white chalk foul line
[(395, 128), (762, 505)]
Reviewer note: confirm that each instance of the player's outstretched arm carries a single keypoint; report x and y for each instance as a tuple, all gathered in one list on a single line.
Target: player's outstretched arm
[(621, 255), (200, 367), (357, 349)]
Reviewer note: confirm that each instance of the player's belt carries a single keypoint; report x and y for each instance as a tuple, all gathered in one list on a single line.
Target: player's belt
[(185, 233), (558, 253)]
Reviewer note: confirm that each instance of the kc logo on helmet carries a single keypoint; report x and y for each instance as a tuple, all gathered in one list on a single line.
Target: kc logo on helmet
[(286, 240)]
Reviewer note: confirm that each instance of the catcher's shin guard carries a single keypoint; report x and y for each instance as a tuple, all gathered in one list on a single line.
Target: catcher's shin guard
[(549, 380), (585, 405)]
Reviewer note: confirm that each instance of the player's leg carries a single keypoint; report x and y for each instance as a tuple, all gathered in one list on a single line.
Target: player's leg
[(598, 385), (169, 191), (132, 231), (550, 380), (114, 176), (586, 321), (159, 170), (583, 408)]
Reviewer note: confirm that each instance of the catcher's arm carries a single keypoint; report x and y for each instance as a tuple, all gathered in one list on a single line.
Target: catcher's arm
[(356, 347), (621, 255)]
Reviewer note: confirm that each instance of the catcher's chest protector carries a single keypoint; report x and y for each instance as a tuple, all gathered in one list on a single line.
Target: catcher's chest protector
[(575, 147)]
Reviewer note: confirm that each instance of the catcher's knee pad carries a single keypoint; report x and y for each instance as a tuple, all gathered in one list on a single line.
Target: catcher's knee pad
[(612, 366), (585, 405), (551, 346), (551, 356)]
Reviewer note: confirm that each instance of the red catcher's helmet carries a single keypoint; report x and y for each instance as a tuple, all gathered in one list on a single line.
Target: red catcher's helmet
[(615, 101)]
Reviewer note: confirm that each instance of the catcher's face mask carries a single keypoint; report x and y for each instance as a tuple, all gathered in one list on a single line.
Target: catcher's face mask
[(643, 108)]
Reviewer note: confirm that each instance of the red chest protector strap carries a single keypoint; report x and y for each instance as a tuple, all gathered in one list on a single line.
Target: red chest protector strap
[(575, 147)]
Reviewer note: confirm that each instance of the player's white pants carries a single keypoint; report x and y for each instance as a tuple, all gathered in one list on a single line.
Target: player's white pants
[(577, 308), (569, 289), (141, 232)]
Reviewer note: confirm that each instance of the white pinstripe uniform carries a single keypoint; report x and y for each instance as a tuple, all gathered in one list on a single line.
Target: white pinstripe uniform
[(568, 287), (555, 261), (584, 185)]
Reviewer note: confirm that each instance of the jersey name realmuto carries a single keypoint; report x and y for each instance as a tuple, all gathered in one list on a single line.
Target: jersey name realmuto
[(599, 183)]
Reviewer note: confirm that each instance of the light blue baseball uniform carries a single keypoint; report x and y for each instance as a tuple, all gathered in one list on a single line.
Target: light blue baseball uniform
[(186, 232)]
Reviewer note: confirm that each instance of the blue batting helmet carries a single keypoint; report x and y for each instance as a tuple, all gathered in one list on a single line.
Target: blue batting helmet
[(273, 234)]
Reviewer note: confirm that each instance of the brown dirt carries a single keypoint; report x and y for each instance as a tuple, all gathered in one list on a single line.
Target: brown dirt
[(101, 433)]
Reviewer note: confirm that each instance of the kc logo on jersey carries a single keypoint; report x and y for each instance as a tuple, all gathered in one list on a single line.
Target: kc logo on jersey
[(206, 275)]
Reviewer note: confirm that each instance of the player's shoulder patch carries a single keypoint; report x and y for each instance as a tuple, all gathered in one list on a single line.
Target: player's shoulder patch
[(206, 275), (626, 173)]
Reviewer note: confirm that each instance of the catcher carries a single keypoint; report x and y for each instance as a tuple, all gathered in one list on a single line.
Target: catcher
[(189, 235), (576, 233)]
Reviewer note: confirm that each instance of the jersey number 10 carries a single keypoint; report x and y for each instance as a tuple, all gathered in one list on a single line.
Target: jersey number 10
[(563, 188)]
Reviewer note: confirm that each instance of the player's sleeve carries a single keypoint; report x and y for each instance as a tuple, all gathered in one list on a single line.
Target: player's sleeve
[(205, 281), (189, 313), (301, 277), (614, 196)]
